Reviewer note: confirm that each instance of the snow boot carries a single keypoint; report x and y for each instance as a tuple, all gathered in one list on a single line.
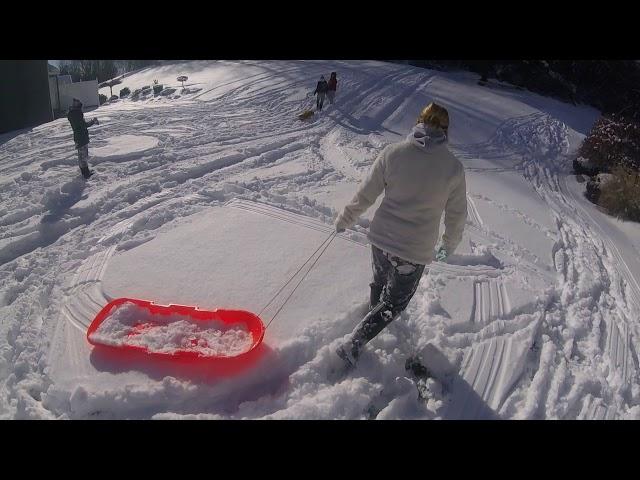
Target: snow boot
[(86, 173), (340, 363), (421, 375), (349, 353), (372, 324), (413, 365)]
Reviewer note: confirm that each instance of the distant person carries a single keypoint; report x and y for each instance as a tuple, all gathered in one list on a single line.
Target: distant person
[(421, 179), (332, 85), (81, 135), (321, 90)]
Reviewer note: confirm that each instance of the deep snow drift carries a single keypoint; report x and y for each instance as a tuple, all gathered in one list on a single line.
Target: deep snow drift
[(214, 196)]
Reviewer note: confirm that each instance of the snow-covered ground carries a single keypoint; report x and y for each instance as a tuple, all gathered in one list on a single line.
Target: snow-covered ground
[(215, 196)]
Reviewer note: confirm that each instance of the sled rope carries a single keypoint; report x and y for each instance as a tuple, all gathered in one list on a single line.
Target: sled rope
[(322, 248), (293, 276)]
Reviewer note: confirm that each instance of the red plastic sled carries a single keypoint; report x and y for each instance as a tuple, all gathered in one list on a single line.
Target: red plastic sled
[(253, 324)]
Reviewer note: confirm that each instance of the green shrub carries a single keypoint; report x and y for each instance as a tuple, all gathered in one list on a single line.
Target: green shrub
[(620, 195)]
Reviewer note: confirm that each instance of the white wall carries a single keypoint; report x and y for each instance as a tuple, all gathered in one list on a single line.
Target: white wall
[(53, 92), (86, 92), (54, 82)]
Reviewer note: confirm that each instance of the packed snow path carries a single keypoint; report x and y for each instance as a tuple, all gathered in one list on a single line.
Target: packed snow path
[(218, 193)]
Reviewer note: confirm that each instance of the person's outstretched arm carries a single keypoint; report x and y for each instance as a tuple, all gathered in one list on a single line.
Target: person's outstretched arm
[(369, 190), (455, 215)]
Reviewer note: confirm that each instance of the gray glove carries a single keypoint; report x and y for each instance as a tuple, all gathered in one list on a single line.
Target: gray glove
[(340, 224), (441, 255)]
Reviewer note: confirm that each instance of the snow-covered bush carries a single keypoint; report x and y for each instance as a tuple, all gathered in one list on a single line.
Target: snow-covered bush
[(613, 145), (102, 98), (613, 141), (124, 92), (157, 88)]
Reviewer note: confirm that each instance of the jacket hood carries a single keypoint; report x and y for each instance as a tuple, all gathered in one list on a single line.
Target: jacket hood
[(426, 138)]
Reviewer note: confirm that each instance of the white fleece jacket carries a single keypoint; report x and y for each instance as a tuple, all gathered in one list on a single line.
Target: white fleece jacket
[(421, 179)]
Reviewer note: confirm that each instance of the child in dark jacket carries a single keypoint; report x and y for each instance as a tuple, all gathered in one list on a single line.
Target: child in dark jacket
[(321, 90), (81, 135)]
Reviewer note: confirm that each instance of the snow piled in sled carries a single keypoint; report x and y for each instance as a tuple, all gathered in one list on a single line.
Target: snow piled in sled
[(130, 325)]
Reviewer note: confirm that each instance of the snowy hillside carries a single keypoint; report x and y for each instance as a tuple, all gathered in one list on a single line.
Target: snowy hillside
[(215, 196)]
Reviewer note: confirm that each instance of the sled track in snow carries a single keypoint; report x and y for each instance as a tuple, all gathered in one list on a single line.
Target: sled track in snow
[(618, 348), (592, 269), (84, 295), (287, 216), (489, 372), (466, 270), (493, 367), (490, 301), (594, 410), (472, 213)]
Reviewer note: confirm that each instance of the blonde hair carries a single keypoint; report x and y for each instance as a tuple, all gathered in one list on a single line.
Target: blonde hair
[(434, 116)]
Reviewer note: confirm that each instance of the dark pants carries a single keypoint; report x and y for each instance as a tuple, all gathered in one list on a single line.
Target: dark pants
[(83, 155), (395, 281), (320, 100)]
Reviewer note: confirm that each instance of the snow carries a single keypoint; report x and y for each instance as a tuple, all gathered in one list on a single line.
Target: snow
[(122, 145), (216, 196), (228, 278), (129, 325)]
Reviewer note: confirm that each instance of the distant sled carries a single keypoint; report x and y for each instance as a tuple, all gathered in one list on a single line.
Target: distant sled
[(175, 331), (306, 114)]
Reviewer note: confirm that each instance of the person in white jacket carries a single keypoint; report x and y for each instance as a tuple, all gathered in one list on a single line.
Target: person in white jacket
[(421, 179)]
